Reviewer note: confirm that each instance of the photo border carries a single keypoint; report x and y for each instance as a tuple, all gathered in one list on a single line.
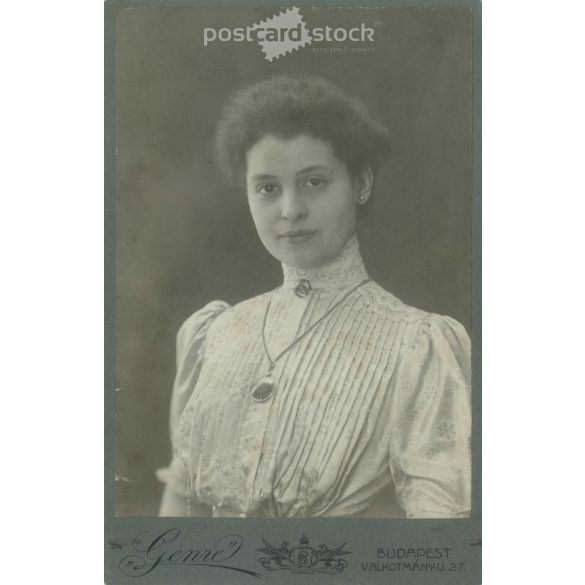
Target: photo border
[(124, 536)]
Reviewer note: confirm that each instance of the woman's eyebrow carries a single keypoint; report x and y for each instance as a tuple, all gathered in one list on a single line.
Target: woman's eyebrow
[(262, 177), (312, 169)]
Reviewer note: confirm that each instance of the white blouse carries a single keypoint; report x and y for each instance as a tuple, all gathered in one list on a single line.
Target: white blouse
[(370, 416)]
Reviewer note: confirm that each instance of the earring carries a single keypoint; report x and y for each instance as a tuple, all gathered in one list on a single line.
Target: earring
[(361, 198)]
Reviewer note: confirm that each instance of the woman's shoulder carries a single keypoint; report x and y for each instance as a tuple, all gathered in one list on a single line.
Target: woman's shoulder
[(219, 315), (245, 310), (203, 317), (420, 322), (198, 323), (389, 306)]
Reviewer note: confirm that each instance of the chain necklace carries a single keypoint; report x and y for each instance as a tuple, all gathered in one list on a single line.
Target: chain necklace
[(263, 388)]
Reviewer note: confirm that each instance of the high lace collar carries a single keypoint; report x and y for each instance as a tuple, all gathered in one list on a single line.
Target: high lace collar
[(347, 269)]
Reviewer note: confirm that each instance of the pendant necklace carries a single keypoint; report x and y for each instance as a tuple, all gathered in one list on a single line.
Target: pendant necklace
[(263, 388)]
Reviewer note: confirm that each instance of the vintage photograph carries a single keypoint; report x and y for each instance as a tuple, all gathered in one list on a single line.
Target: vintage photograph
[(294, 310)]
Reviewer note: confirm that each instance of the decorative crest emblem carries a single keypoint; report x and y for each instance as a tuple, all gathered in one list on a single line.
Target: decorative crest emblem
[(303, 558)]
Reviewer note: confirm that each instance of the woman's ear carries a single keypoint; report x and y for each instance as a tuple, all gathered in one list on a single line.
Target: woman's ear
[(363, 183)]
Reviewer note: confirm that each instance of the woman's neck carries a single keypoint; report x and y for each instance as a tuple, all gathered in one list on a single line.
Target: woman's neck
[(345, 270)]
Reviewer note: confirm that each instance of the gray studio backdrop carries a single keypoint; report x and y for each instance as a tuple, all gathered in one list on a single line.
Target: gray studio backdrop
[(185, 237)]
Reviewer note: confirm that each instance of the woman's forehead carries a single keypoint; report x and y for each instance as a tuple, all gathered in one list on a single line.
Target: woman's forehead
[(276, 156)]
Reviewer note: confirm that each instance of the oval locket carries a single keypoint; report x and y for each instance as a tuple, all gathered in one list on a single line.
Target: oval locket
[(263, 389)]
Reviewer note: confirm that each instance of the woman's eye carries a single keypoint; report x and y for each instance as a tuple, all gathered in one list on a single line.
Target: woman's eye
[(314, 183), (267, 189)]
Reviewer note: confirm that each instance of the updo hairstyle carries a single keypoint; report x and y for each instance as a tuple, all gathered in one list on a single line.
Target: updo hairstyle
[(288, 107)]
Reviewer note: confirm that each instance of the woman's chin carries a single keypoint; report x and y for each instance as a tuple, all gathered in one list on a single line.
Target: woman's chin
[(303, 255)]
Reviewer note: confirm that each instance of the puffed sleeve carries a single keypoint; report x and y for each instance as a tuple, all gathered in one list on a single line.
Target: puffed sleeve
[(430, 430), (190, 354)]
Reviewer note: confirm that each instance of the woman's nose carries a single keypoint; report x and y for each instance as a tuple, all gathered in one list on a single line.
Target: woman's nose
[(294, 206)]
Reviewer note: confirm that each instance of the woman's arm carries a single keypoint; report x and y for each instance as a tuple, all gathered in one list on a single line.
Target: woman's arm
[(174, 505), (430, 454), (190, 342)]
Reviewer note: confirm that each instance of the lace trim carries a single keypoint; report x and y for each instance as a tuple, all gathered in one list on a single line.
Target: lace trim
[(348, 268)]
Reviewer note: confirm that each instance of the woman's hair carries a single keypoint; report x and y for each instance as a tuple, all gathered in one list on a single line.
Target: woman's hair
[(290, 106)]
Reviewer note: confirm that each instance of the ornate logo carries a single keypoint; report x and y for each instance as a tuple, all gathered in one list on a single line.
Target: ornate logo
[(303, 558)]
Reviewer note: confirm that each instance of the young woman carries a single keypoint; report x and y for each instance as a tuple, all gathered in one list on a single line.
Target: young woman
[(327, 396)]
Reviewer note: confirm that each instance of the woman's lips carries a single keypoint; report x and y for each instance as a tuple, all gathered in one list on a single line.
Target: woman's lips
[(297, 237)]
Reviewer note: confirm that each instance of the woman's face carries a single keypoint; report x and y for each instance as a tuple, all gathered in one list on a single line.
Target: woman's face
[(302, 199)]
